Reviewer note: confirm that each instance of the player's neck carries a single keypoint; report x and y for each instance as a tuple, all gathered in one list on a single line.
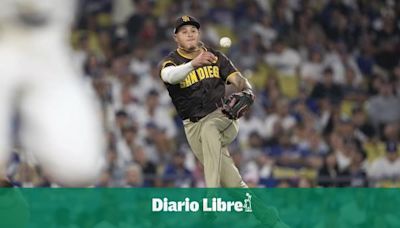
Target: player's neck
[(191, 54)]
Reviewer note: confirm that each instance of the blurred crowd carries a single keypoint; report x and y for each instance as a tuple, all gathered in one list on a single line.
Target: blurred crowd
[(326, 75)]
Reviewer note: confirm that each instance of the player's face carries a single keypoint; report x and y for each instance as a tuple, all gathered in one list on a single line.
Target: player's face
[(188, 37)]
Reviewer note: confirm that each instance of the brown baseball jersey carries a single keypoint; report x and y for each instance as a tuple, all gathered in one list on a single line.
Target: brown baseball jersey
[(200, 93)]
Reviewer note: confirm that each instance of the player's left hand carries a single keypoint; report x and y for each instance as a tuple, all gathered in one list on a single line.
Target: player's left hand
[(237, 104)]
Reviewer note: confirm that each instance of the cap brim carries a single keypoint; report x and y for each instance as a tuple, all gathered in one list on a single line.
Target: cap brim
[(197, 25)]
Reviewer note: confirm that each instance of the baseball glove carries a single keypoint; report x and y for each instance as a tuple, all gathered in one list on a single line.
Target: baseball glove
[(237, 104)]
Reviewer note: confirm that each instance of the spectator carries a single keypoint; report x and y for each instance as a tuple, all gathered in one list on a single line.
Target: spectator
[(140, 64), (313, 145), (176, 174), (122, 119), (258, 172), (327, 88), (114, 169), (220, 14), (280, 120), (249, 124), (152, 82), (365, 60), (246, 57), (133, 176), (148, 167), (356, 172), (265, 30), (311, 71), (386, 56), (363, 130), (151, 112), (329, 174), (352, 88), (156, 143), (135, 23), (286, 60), (384, 108), (126, 144), (121, 10), (105, 180), (287, 153), (388, 166)]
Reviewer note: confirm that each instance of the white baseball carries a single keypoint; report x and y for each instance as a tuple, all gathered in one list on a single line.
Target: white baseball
[(225, 42)]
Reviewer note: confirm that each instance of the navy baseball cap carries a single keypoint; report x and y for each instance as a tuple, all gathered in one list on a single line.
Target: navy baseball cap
[(186, 20)]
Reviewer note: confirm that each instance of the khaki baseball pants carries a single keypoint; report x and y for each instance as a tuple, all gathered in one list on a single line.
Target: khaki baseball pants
[(209, 139)]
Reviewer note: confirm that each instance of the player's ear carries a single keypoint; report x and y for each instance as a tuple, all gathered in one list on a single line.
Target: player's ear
[(174, 36)]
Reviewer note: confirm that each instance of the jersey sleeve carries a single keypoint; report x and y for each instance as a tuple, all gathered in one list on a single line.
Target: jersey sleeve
[(167, 61), (226, 67)]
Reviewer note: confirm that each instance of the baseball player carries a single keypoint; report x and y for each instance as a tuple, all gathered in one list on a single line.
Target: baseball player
[(60, 120), (195, 77)]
